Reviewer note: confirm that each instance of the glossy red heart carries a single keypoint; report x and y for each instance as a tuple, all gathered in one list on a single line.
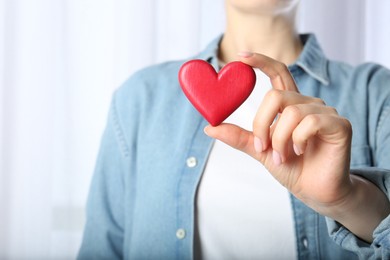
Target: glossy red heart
[(216, 95)]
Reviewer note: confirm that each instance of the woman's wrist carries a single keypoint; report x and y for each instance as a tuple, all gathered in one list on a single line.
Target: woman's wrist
[(362, 210)]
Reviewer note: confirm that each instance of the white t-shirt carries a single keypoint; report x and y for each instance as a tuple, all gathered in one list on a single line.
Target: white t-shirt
[(242, 211)]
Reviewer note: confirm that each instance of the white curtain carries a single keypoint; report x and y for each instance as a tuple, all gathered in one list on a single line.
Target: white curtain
[(354, 31), (60, 61)]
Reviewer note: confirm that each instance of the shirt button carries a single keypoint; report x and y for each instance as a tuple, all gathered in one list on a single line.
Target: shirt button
[(180, 233), (305, 242), (191, 162)]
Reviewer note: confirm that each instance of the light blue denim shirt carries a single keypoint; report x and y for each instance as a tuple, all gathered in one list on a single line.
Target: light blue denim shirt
[(153, 152)]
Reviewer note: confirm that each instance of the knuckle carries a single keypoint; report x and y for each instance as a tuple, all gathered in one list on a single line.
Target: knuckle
[(333, 111), (281, 67), (277, 77), (347, 125), (293, 112), (274, 95), (313, 120), (319, 101), (241, 142)]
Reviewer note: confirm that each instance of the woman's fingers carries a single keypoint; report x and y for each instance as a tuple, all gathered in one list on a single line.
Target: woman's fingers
[(278, 72), (239, 139), (299, 118), (296, 127), (292, 117), (274, 102), (232, 135), (330, 127)]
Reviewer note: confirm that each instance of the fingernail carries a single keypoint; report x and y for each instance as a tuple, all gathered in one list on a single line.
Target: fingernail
[(297, 150), (258, 144), (276, 157), (245, 54), (206, 129)]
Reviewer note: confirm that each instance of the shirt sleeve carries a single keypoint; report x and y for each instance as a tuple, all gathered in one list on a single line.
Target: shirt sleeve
[(380, 247), (103, 233), (379, 174)]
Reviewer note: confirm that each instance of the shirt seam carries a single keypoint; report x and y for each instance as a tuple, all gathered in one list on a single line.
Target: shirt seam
[(385, 113), (342, 235), (118, 130), (383, 237)]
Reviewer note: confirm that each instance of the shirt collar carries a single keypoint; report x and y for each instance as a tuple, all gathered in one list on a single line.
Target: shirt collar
[(210, 53), (312, 59)]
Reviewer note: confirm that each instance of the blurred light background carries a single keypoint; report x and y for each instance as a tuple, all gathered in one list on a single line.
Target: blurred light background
[(60, 61)]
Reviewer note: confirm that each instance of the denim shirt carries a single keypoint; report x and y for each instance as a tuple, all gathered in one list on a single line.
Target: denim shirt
[(142, 198)]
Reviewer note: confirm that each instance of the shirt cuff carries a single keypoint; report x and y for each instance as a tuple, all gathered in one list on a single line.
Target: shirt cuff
[(380, 247)]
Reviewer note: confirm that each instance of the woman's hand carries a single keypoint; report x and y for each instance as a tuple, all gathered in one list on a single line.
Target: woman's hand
[(307, 148)]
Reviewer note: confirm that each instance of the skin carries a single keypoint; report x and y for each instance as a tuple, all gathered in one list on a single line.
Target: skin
[(308, 148)]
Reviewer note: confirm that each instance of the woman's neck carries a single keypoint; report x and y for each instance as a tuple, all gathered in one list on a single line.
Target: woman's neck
[(271, 35)]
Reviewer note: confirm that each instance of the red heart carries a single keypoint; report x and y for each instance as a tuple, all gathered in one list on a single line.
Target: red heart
[(216, 95)]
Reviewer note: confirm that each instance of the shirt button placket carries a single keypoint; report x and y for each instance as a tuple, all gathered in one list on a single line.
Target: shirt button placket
[(191, 162)]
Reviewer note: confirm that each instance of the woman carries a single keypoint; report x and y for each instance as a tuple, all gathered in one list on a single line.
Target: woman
[(162, 188)]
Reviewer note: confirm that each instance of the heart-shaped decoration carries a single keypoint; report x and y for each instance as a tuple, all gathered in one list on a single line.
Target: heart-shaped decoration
[(216, 95)]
